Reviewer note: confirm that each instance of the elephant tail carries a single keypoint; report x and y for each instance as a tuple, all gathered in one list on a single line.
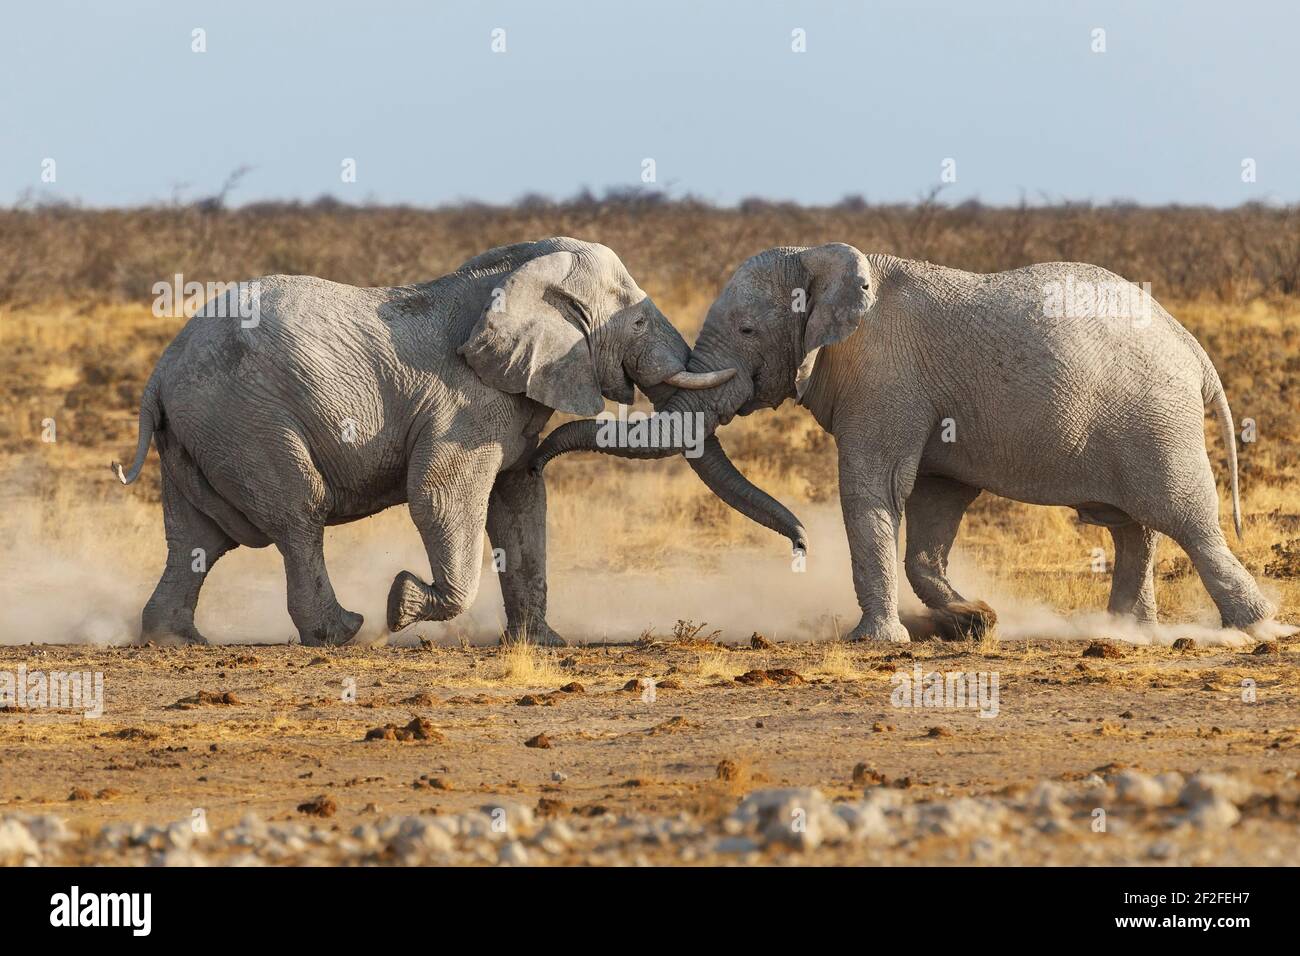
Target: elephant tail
[(150, 418), (1212, 391)]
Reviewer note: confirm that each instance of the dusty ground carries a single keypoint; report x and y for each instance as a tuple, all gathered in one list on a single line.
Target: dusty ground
[(632, 547), (629, 779)]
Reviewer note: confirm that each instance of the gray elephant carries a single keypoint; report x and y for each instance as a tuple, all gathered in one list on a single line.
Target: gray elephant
[(337, 402), (1055, 384)]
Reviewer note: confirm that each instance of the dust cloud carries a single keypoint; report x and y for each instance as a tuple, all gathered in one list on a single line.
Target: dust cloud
[(84, 576)]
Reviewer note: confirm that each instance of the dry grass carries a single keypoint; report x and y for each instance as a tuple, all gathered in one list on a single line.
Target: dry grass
[(837, 662), (711, 665), (525, 664), (681, 250), (77, 342)]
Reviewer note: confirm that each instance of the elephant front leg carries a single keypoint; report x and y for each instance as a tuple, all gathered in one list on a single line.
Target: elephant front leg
[(934, 513), (872, 494), (872, 527), (448, 500), (516, 525)]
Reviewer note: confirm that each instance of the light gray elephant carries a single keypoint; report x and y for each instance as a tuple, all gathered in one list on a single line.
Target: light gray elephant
[(1056, 384), (333, 403)]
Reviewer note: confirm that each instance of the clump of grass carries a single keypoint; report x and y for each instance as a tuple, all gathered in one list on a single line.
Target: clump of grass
[(713, 663), (988, 643), (837, 662), (525, 664)]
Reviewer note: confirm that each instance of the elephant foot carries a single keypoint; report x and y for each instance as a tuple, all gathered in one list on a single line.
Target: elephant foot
[(1143, 618), (534, 632), (339, 630), (1271, 630), (169, 630), (174, 637), (963, 620), (408, 601), (874, 630)]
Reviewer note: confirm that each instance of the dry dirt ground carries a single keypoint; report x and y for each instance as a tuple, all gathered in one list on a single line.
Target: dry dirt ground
[(1158, 746), (784, 754)]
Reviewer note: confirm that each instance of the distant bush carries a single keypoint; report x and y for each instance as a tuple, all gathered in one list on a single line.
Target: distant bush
[(671, 246)]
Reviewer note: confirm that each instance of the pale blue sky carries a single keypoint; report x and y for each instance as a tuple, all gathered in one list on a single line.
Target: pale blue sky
[(710, 90)]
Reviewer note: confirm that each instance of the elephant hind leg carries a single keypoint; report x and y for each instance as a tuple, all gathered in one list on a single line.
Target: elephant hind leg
[(1132, 586), (1188, 511), (194, 543), (315, 610), (934, 513), (1234, 591), (285, 496)]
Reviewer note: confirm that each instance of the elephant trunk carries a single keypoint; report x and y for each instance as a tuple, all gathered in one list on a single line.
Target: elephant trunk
[(715, 469), (585, 435), (712, 466)]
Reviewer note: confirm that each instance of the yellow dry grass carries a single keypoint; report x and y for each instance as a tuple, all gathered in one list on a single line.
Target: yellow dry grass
[(525, 664), (84, 364)]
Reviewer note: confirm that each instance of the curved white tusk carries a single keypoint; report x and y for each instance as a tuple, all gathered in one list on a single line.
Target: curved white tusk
[(698, 380)]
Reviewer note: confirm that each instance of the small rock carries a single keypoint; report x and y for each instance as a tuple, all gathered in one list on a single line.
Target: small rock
[(1133, 786), (778, 675), (513, 853), (320, 806), (540, 742), (1207, 787), (1217, 813), (419, 728), (728, 770), (548, 807), (736, 845), (1102, 649), (864, 775)]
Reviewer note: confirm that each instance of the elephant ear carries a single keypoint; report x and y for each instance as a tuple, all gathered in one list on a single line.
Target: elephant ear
[(531, 339), (840, 294)]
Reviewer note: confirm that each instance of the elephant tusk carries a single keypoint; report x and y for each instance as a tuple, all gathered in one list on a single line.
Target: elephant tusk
[(698, 380)]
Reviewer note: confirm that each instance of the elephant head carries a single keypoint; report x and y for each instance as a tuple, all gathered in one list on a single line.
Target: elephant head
[(770, 322), (565, 324)]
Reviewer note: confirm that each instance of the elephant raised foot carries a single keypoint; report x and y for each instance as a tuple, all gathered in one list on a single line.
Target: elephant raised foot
[(341, 628), (963, 620)]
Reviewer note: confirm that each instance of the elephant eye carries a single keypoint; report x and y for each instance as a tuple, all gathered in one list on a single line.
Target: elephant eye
[(746, 330)]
